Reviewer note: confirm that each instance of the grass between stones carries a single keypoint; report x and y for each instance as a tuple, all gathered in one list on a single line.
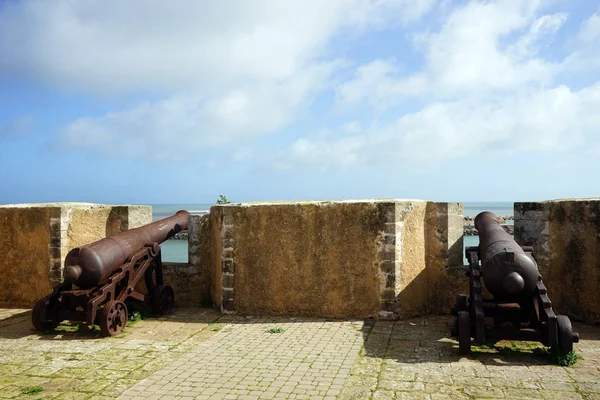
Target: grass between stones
[(69, 374), (520, 348), (32, 389), (558, 358), (136, 313)]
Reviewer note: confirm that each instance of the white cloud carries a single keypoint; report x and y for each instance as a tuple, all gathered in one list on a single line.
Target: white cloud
[(379, 13), (540, 31), (321, 154), (467, 55), (590, 29), (586, 56), (146, 45), (377, 83), (548, 120), (232, 71), (228, 70), (351, 127), (553, 120), (486, 88), (181, 124)]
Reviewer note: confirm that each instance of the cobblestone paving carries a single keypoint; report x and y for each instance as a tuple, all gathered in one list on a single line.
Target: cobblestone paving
[(297, 359), (200, 354), (416, 360), (80, 365), (6, 313)]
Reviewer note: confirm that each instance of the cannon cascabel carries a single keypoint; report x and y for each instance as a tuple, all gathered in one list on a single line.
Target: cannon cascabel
[(507, 269)]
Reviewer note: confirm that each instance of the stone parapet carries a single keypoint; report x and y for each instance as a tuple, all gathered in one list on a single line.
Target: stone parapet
[(367, 258), (35, 239), (200, 259), (565, 235), (187, 282)]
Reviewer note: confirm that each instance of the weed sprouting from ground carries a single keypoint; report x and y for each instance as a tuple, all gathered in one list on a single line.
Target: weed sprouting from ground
[(566, 360), (138, 311), (67, 328), (522, 348), (276, 330), (559, 358), (134, 317), (481, 349), (32, 389)]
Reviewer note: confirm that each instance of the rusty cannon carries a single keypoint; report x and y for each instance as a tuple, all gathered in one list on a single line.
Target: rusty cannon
[(519, 308), (99, 277)]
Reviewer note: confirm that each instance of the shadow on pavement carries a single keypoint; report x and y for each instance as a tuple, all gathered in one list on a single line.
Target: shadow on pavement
[(20, 326), (427, 339), (417, 340)]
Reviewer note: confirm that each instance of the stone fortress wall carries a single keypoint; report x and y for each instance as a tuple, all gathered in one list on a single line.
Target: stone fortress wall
[(565, 235), (35, 239), (380, 258), (368, 258)]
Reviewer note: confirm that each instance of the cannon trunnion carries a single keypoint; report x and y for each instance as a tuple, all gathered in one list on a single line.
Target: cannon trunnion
[(520, 308), (100, 276)]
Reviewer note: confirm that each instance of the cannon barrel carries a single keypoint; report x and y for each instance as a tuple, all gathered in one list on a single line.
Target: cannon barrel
[(507, 269), (91, 265)]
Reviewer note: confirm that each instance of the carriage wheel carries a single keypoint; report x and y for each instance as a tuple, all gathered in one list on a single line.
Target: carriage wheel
[(461, 303), (565, 334), (163, 299), (112, 318), (464, 332), (454, 328), (50, 321)]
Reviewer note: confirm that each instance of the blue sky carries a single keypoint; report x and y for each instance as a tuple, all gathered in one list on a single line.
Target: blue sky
[(148, 102)]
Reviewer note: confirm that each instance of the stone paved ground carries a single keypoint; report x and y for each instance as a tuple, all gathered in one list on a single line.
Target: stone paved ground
[(6, 313), (415, 359), (200, 354), (74, 365), (262, 358)]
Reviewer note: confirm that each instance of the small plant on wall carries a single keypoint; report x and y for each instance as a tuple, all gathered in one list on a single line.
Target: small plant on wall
[(223, 200)]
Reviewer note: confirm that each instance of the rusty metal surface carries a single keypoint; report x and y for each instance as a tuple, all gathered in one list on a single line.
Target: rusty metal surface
[(99, 277), (90, 265), (507, 269), (520, 308)]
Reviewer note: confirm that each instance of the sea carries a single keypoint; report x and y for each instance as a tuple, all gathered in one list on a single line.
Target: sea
[(177, 250), (504, 209)]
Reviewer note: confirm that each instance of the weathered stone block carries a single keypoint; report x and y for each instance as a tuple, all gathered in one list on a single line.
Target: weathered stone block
[(187, 282), (383, 258), (227, 294), (200, 258), (228, 280), (228, 267), (35, 239), (565, 235), (388, 267)]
